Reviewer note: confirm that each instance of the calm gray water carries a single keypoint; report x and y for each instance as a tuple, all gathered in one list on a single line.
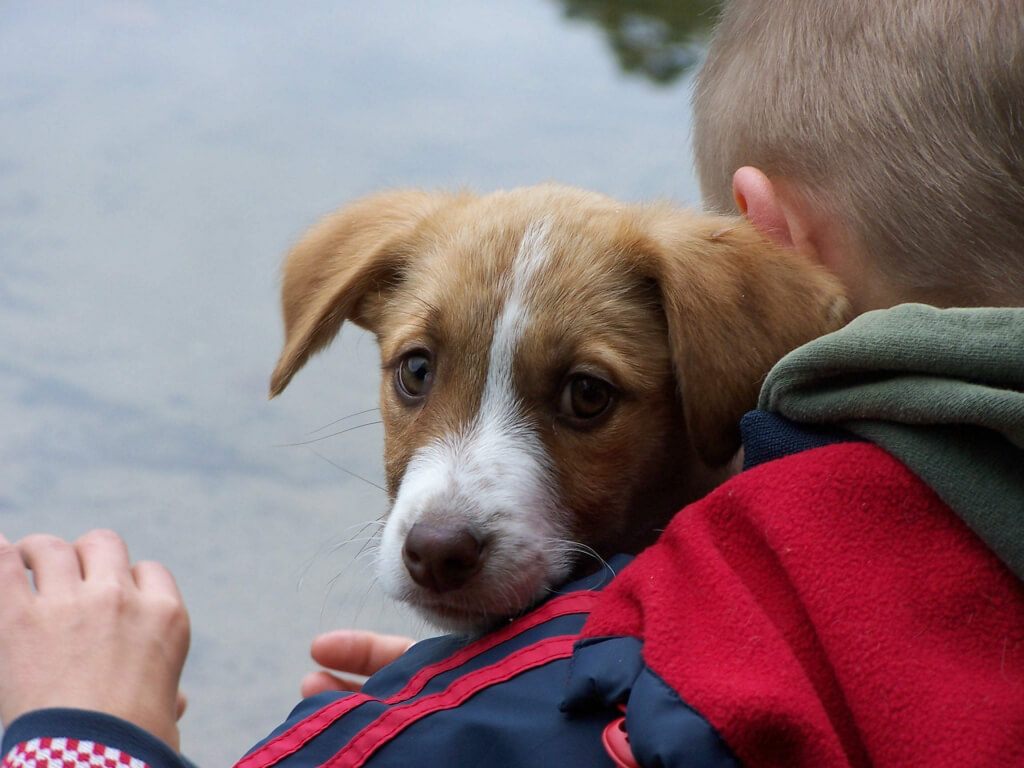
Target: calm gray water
[(156, 160)]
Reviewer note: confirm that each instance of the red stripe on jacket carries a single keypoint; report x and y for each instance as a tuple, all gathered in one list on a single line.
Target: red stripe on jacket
[(395, 720), (304, 731)]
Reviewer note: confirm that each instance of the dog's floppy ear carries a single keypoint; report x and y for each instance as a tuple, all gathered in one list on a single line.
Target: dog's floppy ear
[(340, 265), (735, 304)]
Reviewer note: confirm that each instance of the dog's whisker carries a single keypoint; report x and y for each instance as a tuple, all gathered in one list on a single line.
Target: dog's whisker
[(331, 582), (364, 524), (348, 472), (327, 437), (357, 536), (361, 540), (367, 557), (344, 418), (328, 546), (370, 543), (567, 546), (367, 551), (364, 597), (367, 548)]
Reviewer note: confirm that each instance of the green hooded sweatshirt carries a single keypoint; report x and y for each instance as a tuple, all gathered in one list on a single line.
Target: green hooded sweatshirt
[(942, 390)]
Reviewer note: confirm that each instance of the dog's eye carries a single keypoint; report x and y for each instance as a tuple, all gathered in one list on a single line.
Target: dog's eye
[(585, 397), (413, 376)]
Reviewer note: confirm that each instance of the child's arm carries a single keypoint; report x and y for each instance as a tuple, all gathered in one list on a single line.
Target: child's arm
[(88, 632)]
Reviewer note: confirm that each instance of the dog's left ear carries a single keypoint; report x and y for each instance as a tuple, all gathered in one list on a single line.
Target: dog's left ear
[(337, 269), (735, 304)]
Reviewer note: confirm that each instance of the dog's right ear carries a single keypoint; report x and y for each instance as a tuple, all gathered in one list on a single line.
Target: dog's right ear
[(340, 266)]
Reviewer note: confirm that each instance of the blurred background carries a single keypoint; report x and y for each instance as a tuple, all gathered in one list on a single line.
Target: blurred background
[(157, 159)]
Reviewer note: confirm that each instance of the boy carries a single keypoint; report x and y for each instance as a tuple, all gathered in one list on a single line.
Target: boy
[(854, 597)]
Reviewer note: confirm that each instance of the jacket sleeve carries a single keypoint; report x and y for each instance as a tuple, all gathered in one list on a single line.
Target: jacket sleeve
[(661, 729), (826, 609), (75, 738)]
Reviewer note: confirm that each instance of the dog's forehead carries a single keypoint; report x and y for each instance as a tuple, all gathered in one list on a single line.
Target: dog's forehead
[(542, 268), (520, 256)]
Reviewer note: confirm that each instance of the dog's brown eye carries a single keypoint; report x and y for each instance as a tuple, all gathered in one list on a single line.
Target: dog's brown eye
[(585, 397), (413, 376)]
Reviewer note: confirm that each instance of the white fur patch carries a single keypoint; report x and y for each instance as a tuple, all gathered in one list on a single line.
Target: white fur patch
[(494, 476)]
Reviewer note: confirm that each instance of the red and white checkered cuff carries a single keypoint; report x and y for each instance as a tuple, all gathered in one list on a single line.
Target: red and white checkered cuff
[(68, 753)]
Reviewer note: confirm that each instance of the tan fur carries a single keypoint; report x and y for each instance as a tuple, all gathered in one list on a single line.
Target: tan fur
[(684, 314)]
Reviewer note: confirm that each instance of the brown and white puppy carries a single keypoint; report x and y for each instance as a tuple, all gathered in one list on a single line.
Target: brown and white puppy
[(562, 373)]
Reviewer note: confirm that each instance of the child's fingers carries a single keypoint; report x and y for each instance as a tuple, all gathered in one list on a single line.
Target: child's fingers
[(9, 555), (13, 575), (151, 576), (104, 556), (164, 605), (53, 562), (357, 651), (321, 681)]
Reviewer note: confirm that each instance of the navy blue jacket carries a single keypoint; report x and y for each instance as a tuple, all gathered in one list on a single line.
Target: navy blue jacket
[(414, 711)]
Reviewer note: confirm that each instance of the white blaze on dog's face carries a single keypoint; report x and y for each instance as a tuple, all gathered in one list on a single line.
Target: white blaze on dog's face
[(479, 494), (538, 347)]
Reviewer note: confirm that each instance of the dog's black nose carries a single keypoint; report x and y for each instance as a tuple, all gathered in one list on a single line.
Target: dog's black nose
[(441, 558)]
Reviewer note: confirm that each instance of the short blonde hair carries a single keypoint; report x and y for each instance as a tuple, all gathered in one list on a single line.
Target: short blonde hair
[(907, 115)]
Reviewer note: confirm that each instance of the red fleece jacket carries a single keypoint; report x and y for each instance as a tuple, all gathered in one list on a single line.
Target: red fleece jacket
[(827, 609)]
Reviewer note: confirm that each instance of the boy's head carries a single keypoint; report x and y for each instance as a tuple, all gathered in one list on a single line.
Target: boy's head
[(901, 123)]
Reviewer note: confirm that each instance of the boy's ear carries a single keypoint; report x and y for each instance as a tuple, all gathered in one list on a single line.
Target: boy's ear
[(735, 303), (756, 199), (341, 266)]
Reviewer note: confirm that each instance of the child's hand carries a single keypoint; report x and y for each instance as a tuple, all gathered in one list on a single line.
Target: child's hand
[(355, 652), (95, 633)]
